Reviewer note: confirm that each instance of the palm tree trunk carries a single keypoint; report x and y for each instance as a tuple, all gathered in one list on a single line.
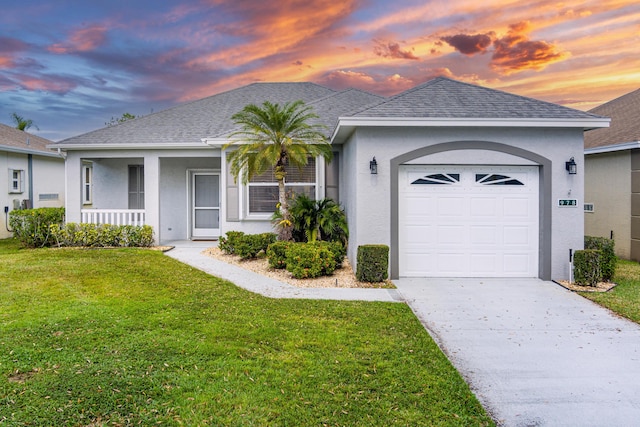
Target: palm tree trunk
[(285, 229)]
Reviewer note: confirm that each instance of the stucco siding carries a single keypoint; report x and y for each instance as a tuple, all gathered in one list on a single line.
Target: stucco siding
[(373, 211), (608, 187)]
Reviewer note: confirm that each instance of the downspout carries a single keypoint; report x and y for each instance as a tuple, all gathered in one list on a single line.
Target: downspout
[(30, 173)]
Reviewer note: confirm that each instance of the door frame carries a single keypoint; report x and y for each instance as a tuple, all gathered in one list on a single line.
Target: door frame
[(191, 174)]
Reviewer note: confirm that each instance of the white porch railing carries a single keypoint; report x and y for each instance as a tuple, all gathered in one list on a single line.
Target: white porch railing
[(112, 216)]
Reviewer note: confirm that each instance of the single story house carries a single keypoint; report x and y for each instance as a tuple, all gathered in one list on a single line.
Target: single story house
[(470, 181), (33, 177), (612, 176)]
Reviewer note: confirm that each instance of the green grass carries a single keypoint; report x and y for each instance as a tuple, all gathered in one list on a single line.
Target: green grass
[(132, 337), (624, 299)]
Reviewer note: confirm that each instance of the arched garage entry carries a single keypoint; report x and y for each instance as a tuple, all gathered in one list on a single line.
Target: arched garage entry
[(543, 226)]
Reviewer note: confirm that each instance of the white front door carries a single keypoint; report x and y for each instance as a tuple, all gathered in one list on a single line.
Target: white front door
[(468, 221), (205, 205)]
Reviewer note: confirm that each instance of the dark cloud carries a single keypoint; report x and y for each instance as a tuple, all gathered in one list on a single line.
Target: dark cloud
[(392, 50), (9, 45), (470, 44)]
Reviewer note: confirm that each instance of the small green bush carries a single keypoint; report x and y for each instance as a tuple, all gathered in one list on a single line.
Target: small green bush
[(228, 244), (307, 261), (608, 259), (249, 246), (373, 263), (277, 254), (586, 267), (32, 227), (102, 235), (336, 248)]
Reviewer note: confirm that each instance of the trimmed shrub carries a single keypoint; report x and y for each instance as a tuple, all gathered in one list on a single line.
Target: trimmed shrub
[(277, 254), (249, 246), (586, 267), (228, 244), (373, 263), (102, 235), (32, 227), (308, 261), (336, 248), (608, 259)]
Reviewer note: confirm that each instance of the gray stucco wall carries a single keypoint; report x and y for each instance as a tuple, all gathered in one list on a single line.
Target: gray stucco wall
[(368, 198), (608, 186)]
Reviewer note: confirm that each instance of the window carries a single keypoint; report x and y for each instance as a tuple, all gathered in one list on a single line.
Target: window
[(87, 184), (496, 179), (136, 187), (48, 196), (16, 181), (438, 179), (263, 189)]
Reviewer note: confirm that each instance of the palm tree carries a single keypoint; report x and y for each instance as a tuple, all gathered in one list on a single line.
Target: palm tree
[(22, 123), (275, 136)]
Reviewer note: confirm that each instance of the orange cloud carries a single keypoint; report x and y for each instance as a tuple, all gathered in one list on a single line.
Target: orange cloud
[(515, 52), (47, 85), (392, 50), (82, 40)]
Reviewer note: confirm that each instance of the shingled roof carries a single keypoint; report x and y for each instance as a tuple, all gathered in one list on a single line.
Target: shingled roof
[(625, 122), (446, 98), (190, 122), (13, 139)]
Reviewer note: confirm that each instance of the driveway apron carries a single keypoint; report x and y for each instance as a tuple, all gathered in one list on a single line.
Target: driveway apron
[(534, 353)]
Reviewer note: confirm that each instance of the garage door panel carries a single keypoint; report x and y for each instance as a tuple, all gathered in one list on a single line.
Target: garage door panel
[(483, 222), (452, 206), (485, 235)]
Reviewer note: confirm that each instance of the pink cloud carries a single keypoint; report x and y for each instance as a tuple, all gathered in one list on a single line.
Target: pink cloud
[(392, 50), (82, 40), (470, 44)]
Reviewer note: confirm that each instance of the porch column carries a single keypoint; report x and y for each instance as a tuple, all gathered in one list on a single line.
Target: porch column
[(152, 193), (73, 186)]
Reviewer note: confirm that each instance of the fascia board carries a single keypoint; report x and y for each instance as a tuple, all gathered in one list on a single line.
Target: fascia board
[(475, 122), (612, 148), (27, 151), (91, 147)]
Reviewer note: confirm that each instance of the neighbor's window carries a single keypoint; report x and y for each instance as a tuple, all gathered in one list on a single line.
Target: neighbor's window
[(87, 184), (263, 189), (16, 181)]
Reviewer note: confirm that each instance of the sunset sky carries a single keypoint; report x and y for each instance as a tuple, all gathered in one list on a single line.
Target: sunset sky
[(70, 65)]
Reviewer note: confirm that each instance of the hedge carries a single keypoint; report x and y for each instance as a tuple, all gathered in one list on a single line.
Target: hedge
[(102, 235), (32, 227), (277, 254), (373, 263), (586, 267), (608, 259), (306, 260)]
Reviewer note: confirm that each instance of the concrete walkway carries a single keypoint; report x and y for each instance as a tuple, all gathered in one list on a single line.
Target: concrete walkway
[(534, 353), (190, 252)]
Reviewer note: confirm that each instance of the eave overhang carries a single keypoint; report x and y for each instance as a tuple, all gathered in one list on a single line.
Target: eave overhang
[(346, 125)]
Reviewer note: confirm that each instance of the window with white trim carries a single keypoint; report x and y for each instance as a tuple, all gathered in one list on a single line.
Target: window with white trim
[(263, 189), (87, 184), (16, 181)]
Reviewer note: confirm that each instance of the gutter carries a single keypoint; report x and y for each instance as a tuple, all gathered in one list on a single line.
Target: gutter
[(613, 148)]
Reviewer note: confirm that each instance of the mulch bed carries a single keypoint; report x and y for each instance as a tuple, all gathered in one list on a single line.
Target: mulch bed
[(600, 287)]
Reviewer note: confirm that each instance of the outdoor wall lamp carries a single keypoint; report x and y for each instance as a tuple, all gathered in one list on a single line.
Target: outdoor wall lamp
[(571, 166), (373, 166)]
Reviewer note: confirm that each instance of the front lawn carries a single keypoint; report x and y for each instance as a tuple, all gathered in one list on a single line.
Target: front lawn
[(131, 337), (624, 299)]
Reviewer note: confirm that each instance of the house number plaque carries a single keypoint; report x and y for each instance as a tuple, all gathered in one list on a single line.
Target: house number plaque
[(568, 203)]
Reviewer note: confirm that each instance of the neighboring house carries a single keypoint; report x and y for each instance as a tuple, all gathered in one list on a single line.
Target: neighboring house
[(468, 179), (612, 176), (32, 175)]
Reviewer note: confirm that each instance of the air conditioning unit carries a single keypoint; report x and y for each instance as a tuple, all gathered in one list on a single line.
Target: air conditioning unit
[(16, 204), (26, 204)]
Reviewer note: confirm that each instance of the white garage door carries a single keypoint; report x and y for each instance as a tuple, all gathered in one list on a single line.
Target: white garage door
[(468, 221)]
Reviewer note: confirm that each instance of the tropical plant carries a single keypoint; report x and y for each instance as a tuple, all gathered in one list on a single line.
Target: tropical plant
[(318, 220), (22, 123), (275, 136)]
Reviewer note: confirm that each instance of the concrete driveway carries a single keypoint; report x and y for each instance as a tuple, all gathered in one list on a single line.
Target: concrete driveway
[(534, 353)]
